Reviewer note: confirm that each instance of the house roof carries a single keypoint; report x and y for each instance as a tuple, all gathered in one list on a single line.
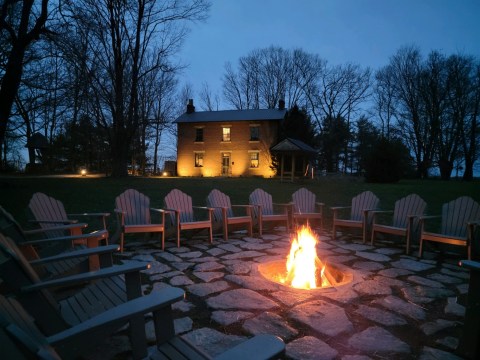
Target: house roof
[(292, 145), (232, 115)]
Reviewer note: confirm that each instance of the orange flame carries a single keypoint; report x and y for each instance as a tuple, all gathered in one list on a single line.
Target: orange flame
[(303, 262)]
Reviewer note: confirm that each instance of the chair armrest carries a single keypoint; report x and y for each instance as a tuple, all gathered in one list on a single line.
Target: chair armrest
[(336, 208), (100, 234), (117, 316), (263, 346), (243, 206), (54, 228), (101, 214), (470, 264), (203, 208), (158, 210), (64, 222), (77, 253), (88, 276)]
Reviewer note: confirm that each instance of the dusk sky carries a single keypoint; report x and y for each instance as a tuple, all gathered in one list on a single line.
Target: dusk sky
[(364, 32)]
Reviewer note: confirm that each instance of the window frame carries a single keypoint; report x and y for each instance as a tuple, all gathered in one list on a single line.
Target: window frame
[(199, 158)]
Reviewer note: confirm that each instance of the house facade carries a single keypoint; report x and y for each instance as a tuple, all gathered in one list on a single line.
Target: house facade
[(227, 143)]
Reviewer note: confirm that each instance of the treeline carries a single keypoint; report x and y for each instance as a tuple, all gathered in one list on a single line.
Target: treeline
[(100, 81), (427, 106)]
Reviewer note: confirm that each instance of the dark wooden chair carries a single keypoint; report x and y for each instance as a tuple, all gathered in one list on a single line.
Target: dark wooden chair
[(305, 207), (458, 220), (112, 298), (469, 344), (49, 213), (224, 212), (360, 214), (266, 211), (134, 216), (21, 339), (35, 247), (405, 219), (185, 218)]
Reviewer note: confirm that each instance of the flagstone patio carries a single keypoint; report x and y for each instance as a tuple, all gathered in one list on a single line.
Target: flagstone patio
[(397, 306)]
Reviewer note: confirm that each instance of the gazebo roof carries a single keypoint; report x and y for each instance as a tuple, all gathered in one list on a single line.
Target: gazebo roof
[(290, 145)]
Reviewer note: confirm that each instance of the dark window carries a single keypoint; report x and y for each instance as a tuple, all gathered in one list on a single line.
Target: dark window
[(254, 133), (198, 134)]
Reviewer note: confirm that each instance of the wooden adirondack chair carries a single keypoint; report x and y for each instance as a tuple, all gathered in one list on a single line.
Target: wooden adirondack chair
[(223, 212), (266, 211), (305, 206), (469, 344), (134, 216), (21, 339), (49, 213), (35, 249), (360, 214), (184, 217), (112, 299), (459, 218), (404, 219)]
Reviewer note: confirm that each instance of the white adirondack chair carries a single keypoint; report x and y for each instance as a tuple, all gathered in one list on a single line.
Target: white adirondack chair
[(185, 218), (459, 219), (360, 213), (266, 211), (134, 216), (224, 212), (49, 213), (305, 206), (405, 219)]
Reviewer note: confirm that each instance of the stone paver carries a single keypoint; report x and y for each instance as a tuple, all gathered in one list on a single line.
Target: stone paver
[(370, 318)]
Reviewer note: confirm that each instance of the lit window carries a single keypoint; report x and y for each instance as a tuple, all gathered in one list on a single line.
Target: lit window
[(254, 133), (199, 135), (226, 134), (198, 159), (254, 159)]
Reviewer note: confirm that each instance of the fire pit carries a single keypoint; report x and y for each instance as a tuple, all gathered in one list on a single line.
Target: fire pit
[(303, 269)]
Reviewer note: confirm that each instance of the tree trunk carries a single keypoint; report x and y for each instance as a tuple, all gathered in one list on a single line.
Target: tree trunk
[(468, 173), (446, 168)]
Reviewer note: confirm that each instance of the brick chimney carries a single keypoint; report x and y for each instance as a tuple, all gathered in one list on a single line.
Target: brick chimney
[(281, 104), (190, 107)]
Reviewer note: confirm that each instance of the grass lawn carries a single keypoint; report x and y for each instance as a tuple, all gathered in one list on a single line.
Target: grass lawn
[(93, 194)]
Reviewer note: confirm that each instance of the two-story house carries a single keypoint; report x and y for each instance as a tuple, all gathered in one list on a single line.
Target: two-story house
[(227, 143)]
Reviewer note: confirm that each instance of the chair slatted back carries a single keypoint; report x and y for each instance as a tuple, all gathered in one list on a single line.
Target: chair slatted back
[(456, 214), (19, 336), (363, 201), (216, 199), (10, 227), (46, 208), (181, 202), (409, 205), (304, 201), (16, 273), (136, 206), (261, 197)]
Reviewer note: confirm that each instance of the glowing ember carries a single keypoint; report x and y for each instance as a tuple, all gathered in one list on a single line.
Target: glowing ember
[(303, 265)]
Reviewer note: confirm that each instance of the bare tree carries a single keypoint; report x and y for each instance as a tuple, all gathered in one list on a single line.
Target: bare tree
[(384, 99), (122, 33), (406, 67), (210, 102), (21, 23)]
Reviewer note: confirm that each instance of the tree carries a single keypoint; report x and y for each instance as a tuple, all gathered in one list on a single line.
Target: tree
[(297, 125), (21, 24), (121, 36)]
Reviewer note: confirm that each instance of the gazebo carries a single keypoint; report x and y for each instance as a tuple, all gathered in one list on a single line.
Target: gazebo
[(297, 150)]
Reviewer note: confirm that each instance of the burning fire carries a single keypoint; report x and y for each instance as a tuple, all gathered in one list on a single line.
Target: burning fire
[(303, 264)]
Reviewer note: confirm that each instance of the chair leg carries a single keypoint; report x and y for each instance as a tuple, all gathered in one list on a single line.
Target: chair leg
[(121, 242), (372, 238), (334, 232), (210, 230), (250, 229), (163, 239), (420, 248), (225, 229)]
